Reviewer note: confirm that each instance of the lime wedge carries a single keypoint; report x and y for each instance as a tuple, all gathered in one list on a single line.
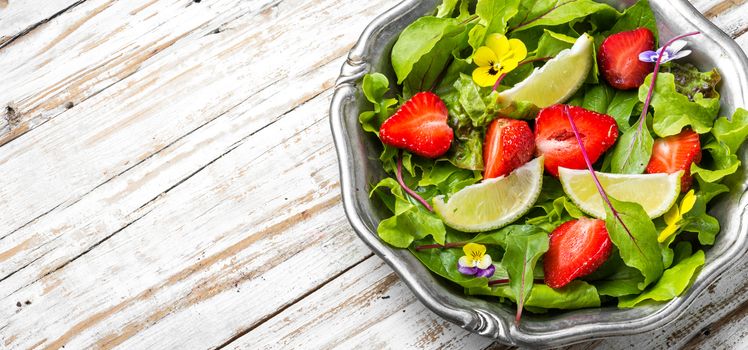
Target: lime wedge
[(558, 79), (656, 193), (495, 202)]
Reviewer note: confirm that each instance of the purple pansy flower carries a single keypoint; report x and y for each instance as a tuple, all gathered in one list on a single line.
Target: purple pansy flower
[(673, 52), (475, 262)]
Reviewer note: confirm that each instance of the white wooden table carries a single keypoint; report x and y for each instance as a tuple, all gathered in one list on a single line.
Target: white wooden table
[(168, 181)]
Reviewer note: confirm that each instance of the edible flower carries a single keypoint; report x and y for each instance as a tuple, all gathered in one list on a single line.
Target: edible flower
[(672, 52), (475, 262), (675, 215), (498, 57)]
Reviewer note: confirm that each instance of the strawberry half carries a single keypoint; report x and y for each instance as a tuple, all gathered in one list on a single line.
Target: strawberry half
[(555, 139), (419, 126), (509, 144), (618, 58), (576, 249), (674, 153)]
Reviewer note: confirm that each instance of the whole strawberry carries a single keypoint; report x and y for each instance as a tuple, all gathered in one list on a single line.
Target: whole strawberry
[(419, 126), (618, 58)]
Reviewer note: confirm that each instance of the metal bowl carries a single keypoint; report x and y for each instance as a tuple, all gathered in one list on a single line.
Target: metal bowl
[(359, 168)]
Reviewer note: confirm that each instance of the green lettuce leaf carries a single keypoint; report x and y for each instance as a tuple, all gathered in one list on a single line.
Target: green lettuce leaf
[(575, 295), (522, 250), (423, 49), (673, 111), (493, 15), (638, 247), (411, 220), (673, 282), (375, 86), (732, 132), (551, 43), (690, 81), (632, 151), (697, 219), (637, 16), (723, 162)]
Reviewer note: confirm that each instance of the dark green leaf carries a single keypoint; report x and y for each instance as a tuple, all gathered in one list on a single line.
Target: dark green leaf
[(621, 106), (637, 16), (561, 12), (523, 249), (598, 97), (632, 151), (423, 49), (638, 245)]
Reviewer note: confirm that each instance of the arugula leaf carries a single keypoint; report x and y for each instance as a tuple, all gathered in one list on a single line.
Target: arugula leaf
[(673, 282), (621, 107), (632, 151), (690, 81), (561, 12), (638, 245), (423, 49), (375, 86), (575, 295), (723, 162), (523, 249), (673, 111), (732, 132), (410, 222), (637, 16)]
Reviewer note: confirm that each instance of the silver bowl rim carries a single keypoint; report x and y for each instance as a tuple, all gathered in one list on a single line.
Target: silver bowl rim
[(486, 322)]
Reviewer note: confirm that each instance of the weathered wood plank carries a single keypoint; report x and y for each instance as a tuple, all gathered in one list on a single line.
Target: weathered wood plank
[(88, 146), (93, 46), (367, 307), (17, 18), (216, 247)]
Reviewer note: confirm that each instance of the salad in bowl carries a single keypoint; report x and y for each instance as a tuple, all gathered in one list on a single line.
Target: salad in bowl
[(551, 155)]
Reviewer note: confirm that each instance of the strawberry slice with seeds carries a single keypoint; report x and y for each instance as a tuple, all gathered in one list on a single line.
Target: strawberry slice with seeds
[(419, 126), (576, 249), (554, 137), (509, 143), (675, 153), (618, 58)]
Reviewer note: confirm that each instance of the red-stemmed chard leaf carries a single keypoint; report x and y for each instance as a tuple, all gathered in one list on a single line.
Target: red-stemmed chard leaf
[(405, 187)]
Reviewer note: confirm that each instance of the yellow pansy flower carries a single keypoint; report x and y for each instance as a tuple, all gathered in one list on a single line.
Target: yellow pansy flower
[(475, 262), (499, 56), (675, 215)]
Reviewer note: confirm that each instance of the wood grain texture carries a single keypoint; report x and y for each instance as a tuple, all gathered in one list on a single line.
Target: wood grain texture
[(167, 180)]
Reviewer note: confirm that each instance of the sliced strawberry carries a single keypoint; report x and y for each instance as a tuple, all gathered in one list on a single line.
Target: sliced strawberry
[(674, 153), (419, 126), (555, 139), (576, 249), (618, 58), (509, 144)]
